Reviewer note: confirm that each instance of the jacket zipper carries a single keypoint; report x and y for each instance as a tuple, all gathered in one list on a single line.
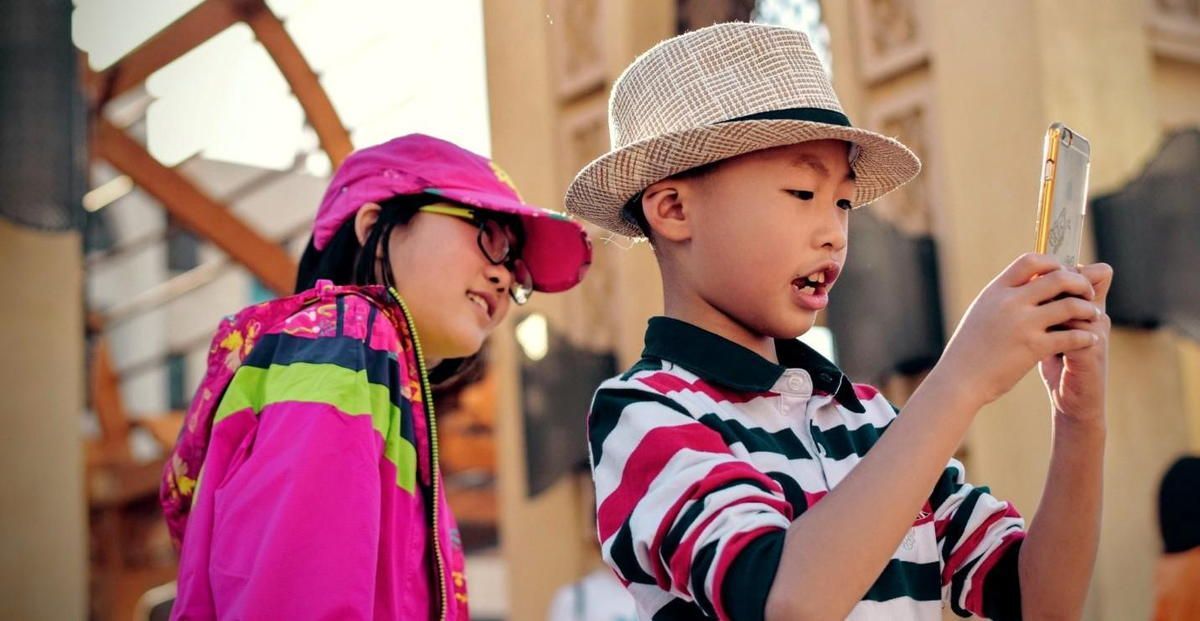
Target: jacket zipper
[(427, 398)]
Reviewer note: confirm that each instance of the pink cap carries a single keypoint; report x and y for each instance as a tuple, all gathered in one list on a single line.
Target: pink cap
[(557, 249)]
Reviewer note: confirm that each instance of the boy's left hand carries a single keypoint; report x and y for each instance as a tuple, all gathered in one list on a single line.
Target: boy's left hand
[(1076, 380)]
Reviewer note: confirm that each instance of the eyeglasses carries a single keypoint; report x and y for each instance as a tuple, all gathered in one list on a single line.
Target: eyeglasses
[(499, 245)]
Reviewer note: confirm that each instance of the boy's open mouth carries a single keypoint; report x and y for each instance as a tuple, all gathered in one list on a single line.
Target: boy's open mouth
[(818, 282)]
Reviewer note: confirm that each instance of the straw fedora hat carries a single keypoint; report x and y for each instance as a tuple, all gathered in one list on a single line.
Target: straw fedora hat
[(716, 93)]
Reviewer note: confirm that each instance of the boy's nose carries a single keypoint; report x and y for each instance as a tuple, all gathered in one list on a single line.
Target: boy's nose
[(831, 233)]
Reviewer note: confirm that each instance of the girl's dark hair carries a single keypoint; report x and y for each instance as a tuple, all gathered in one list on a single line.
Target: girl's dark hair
[(346, 262)]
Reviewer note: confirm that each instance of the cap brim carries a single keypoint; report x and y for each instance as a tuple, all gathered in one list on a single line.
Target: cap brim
[(602, 188), (557, 249)]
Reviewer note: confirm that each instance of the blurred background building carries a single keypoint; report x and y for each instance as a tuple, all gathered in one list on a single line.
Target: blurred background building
[(160, 163)]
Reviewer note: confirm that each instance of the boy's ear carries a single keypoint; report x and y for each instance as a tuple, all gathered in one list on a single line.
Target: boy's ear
[(364, 219), (665, 211)]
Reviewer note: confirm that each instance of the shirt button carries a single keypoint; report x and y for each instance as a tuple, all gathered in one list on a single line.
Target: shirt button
[(796, 383)]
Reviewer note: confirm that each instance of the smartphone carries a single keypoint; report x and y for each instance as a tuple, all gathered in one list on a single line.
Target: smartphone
[(1062, 206)]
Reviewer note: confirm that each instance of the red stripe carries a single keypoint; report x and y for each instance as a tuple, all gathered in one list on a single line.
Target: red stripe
[(958, 557), (646, 461), (667, 383), (681, 565), (925, 516), (975, 596), (719, 475), (939, 526), (865, 392), (681, 561), (812, 498), (735, 545)]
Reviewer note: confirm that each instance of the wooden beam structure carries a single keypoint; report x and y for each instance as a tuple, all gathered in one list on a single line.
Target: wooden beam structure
[(318, 108), (195, 210), (202, 23)]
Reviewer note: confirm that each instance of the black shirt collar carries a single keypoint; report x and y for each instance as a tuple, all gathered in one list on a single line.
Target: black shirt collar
[(716, 359)]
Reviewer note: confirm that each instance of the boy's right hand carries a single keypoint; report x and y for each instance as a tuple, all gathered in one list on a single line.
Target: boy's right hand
[(1007, 329)]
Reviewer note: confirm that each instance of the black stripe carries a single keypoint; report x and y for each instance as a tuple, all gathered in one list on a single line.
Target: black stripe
[(946, 486), (684, 522), (607, 407), (841, 442), (702, 563), (645, 364), (958, 524), (284, 349), (920, 581), (340, 302), (792, 492), (784, 442), (679, 528), (624, 558), (958, 582), (371, 322), (816, 115), (749, 578), (679, 610), (1002, 587)]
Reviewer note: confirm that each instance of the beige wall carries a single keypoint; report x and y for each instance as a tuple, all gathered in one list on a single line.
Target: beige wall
[(541, 137), (43, 550), (1177, 89), (995, 75)]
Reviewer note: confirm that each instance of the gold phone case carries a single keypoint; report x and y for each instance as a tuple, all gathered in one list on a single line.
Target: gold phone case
[(1062, 205)]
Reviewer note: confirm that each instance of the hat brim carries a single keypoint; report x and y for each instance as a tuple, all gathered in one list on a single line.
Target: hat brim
[(557, 249), (600, 191)]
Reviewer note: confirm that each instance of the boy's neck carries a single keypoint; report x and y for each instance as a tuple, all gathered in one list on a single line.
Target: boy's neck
[(694, 310)]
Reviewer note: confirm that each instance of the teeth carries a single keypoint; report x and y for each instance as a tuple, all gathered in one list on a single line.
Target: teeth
[(478, 300), (807, 290), (818, 277)]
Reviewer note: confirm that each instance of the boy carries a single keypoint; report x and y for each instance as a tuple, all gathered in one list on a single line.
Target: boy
[(740, 475)]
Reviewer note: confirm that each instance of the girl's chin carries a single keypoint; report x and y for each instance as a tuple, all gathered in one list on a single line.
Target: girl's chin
[(460, 345)]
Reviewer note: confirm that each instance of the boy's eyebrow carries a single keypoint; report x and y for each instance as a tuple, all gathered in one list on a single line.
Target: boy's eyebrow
[(814, 162)]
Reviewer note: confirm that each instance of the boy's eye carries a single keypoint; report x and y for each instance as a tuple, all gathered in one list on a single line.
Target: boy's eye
[(803, 195), (845, 204)]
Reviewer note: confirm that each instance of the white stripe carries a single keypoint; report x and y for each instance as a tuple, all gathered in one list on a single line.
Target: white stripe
[(826, 413), (758, 413), (636, 420), (805, 472), (649, 598), (898, 609)]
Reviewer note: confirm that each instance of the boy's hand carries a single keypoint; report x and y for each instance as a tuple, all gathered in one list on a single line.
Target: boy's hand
[(1006, 330), (1076, 380)]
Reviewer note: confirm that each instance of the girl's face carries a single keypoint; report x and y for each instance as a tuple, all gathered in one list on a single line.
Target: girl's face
[(455, 294)]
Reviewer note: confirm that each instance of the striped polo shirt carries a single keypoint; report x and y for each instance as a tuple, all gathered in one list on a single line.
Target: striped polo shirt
[(704, 452)]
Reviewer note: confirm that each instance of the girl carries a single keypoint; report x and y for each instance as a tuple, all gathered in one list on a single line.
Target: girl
[(320, 495)]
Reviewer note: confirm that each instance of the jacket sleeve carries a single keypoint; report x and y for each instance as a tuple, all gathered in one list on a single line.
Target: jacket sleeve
[(296, 528)]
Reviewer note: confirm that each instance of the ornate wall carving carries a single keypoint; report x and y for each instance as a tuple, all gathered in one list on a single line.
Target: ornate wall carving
[(1175, 28), (577, 46), (890, 39), (907, 117)]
